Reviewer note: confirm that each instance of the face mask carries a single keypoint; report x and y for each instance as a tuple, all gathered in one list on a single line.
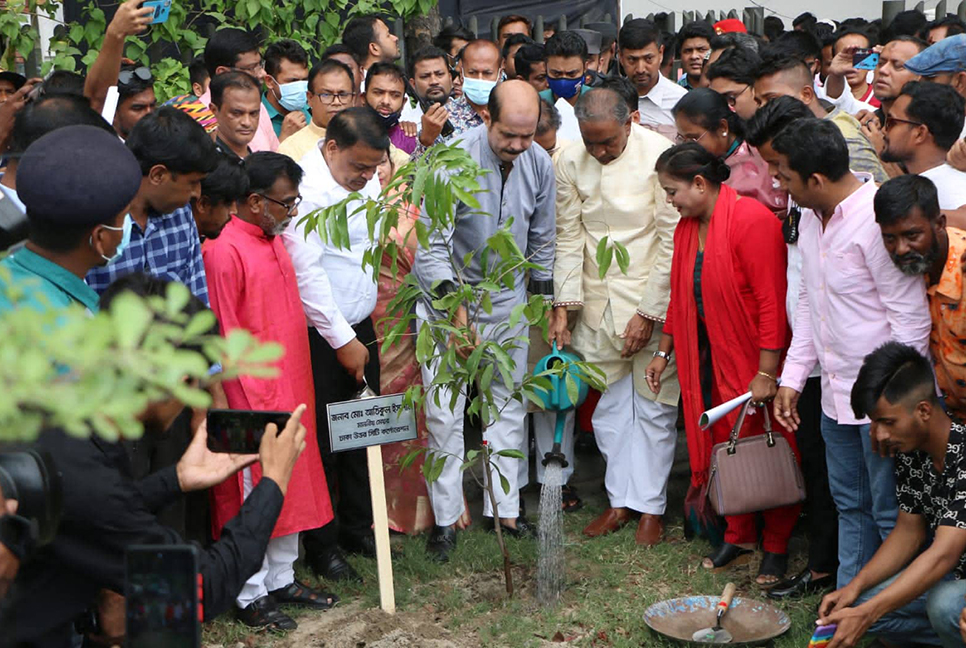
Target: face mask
[(565, 88), (478, 90), (293, 95), (391, 119), (125, 239)]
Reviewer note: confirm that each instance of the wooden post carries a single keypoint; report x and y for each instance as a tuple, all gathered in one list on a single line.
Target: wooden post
[(889, 10), (380, 524)]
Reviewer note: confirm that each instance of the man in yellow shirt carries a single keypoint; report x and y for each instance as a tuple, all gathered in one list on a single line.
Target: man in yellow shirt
[(608, 187), (330, 91)]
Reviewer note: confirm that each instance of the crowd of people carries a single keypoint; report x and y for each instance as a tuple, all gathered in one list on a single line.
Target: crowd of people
[(796, 228)]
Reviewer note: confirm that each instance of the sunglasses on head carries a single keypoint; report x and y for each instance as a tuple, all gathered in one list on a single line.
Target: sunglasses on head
[(125, 77)]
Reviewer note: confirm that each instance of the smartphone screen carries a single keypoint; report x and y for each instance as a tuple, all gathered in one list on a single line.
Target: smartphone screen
[(865, 59), (162, 592), (240, 431)]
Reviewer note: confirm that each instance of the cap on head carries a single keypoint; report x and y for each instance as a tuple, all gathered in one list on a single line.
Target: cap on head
[(730, 25), (592, 38), (53, 185), (948, 55), (12, 77)]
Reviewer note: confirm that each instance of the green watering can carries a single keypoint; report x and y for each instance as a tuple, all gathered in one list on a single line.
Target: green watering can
[(557, 400)]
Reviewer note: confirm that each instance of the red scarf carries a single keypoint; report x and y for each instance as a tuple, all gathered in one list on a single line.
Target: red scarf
[(732, 333)]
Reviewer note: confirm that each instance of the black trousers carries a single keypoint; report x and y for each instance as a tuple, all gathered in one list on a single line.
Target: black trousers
[(347, 473), (821, 520)]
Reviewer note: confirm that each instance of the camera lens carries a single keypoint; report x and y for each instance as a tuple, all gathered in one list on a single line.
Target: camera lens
[(31, 478)]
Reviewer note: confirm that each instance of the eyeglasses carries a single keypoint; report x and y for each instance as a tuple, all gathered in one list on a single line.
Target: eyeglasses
[(732, 97), (252, 68), (330, 97), (289, 207), (680, 139), (892, 121), (125, 77)]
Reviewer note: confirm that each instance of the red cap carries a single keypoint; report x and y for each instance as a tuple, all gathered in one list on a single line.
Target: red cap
[(730, 25)]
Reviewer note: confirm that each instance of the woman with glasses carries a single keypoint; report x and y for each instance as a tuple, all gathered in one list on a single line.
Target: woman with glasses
[(726, 322), (706, 117)]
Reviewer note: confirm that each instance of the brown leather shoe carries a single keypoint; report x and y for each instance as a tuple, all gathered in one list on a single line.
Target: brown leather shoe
[(609, 521), (650, 530)]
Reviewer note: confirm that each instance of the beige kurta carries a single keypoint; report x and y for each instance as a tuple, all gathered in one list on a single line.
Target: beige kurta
[(624, 201)]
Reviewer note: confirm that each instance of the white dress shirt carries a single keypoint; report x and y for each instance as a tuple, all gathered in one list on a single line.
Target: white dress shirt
[(337, 293), (656, 105), (569, 128)]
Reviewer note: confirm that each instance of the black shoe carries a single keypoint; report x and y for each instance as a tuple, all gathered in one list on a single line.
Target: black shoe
[(364, 544), (264, 613), (331, 565), (300, 594), (441, 542), (801, 586), (524, 529)]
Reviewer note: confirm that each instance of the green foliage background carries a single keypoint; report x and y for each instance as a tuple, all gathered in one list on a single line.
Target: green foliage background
[(315, 24)]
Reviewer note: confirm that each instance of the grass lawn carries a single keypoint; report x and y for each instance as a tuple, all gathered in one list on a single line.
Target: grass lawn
[(610, 581)]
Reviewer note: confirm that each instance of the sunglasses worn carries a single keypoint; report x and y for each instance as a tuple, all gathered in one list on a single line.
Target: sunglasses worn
[(125, 77), (892, 121)]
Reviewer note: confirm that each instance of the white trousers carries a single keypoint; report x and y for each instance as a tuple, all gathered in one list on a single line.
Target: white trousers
[(544, 428), (637, 438), (278, 566), (445, 429)]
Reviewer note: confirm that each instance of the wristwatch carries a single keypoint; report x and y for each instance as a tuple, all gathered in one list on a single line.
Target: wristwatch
[(662, 354)]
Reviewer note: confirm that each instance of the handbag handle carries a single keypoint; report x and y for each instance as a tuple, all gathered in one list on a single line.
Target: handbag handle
[(733, 440)]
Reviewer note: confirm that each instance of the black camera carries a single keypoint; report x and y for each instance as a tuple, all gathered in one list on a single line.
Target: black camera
[(31, 478)]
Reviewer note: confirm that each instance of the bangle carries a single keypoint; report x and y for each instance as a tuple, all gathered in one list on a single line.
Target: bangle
[(767, 375)]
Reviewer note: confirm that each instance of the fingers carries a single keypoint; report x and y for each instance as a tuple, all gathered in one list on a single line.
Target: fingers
[(296, 419), (11, 506)]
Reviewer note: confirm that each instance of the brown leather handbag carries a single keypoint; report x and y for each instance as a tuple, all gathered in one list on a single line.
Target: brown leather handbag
[(755, 473)]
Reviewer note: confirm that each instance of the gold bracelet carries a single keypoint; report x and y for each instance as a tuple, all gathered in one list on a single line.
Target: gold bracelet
[(767, 375)]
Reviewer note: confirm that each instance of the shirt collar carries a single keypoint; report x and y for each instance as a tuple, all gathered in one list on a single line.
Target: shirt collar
[(857, 197), (656, 94), (248, 228), (272, 112), (950, 283), (57, 275)]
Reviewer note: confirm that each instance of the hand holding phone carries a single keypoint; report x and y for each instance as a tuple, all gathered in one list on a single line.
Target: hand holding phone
[(161, 10), (240, 431)]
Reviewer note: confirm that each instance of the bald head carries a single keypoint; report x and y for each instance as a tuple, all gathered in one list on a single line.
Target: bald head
[(511, 119), (602, 104)]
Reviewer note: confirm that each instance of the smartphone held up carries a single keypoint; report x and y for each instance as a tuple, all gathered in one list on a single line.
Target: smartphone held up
[(241, 431)]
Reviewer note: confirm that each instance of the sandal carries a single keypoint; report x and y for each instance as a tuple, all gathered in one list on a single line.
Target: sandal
[(264, 613), (571, 501), (772, 564), (728, 556), (297, 593)]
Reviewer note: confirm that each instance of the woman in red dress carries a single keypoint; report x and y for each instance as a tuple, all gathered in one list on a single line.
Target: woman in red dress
[(726, 322)]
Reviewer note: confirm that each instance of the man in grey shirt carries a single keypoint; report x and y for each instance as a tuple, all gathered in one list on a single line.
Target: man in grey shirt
[(520, 185)]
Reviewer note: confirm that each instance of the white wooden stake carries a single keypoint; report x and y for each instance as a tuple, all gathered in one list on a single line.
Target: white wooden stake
[(380, 525)]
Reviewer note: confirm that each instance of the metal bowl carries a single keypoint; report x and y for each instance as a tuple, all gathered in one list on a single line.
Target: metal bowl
[(748, 620)]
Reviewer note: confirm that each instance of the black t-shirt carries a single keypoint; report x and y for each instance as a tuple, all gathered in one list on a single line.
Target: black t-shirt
[(940, 499)]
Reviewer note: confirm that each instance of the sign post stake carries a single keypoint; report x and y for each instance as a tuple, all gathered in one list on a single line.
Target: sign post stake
[(380, 524)]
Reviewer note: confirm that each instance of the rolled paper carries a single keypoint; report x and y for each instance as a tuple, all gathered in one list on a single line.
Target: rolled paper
[(713, 415)]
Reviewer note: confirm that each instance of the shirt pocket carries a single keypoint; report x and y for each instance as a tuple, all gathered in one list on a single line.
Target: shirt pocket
[(846, 272)]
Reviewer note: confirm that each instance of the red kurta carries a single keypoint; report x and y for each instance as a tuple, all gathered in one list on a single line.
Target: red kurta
[(252, 285)]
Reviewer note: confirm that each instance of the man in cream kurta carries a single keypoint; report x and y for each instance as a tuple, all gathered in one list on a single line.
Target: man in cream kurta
[(608, 187)]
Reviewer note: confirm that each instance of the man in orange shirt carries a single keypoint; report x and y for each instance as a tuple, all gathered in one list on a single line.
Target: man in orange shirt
[(914, 232)]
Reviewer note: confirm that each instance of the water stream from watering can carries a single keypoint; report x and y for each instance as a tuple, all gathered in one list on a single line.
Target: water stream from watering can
[(550, 562)]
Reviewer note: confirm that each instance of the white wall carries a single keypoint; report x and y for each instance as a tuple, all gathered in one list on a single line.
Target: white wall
[(784, 9)]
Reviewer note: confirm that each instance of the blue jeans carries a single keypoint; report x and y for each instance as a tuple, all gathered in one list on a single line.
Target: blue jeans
[(931, 619), (863, 486)]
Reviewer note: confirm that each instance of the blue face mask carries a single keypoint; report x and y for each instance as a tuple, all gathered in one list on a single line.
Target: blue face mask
[(125, 239), (478, 91), (292, 95), (565, 88)]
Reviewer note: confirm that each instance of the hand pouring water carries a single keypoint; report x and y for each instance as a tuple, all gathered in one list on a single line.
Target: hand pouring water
[(717, 634)]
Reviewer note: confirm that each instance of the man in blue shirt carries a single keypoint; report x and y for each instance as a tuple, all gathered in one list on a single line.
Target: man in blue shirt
[(174, 154), (75, 224)]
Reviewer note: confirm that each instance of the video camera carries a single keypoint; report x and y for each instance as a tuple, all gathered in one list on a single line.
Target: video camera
[(31, 478)]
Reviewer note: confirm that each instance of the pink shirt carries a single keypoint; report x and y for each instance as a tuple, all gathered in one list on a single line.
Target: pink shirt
[(853, 299), (265, 138)]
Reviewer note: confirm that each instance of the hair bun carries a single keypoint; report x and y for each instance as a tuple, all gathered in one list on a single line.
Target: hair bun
[(720, 170)]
